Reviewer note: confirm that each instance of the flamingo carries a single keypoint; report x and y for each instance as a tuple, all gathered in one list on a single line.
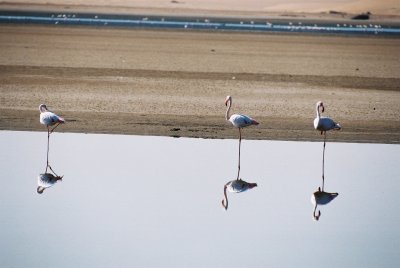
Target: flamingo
[(236, 186), (240, 121), (47, 180), (321, 198), (322, 123), (49, 118)]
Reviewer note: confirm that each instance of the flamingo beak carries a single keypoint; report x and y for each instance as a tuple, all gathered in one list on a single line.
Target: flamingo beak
[(323, 108), (226, 102)]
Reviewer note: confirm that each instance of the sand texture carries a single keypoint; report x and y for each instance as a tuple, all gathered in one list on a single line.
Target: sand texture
[(174, 83)]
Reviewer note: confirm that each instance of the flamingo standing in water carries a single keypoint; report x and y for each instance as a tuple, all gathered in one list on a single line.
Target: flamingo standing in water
[(240, 121), (321, 198), (236, 186), (49, 118), (324, 124)]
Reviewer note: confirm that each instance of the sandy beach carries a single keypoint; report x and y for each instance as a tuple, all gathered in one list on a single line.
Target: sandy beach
[(174, 83)]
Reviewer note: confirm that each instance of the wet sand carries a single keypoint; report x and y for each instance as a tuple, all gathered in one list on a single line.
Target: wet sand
[(174, 83)]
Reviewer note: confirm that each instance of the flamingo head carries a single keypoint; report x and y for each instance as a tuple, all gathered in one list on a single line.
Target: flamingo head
[(42, 108), (40, 189), (320, 104), (316, 216), (228, 99)]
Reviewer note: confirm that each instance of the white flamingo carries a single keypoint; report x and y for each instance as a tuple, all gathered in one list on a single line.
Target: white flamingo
[(321, 198), (323, 123), (47, 180), (236, 186), (240, 121), (49, 118)]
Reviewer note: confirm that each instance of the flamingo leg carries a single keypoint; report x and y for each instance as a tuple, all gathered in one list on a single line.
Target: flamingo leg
[(240, 141), (48, 142), (54, 128), (323, 163), (53, 171)]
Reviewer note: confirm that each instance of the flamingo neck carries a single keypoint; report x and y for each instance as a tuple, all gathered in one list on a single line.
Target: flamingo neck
[(43, 109), (316, 216), (225, 200), (318, 113), (228, 110)]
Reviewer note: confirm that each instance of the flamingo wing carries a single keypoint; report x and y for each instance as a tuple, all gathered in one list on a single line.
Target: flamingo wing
[(325, 124), (240, 120), (46, 180), (323, 198), (49, 119)]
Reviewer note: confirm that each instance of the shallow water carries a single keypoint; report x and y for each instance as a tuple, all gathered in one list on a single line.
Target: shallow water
[(215, 24), (156, 202)]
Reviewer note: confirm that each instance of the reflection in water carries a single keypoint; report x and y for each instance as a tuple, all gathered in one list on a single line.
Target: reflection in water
[(239, 121), (321, 198), (323, 124), (236, 186), (47, 180), (48, 119)]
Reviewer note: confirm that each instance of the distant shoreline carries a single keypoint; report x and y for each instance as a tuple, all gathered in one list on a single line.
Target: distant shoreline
[(146, 8), (199, 23)]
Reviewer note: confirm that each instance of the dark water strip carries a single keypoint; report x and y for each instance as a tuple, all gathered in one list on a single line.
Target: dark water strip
[(196, 23)]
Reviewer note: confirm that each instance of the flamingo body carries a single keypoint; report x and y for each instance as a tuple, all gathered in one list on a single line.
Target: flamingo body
[(238, 186), (241, 121), (46, 180), (322, 123), (322, 198), (238, 120), (49, 118)]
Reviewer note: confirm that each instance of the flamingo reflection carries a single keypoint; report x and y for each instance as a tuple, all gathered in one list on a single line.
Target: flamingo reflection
[(323, 124), (236, 186), (240, 121), (321, 198), (48, 119), (47, 180)]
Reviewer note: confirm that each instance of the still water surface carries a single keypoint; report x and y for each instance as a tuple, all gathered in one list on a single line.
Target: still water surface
[(136, 201)]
